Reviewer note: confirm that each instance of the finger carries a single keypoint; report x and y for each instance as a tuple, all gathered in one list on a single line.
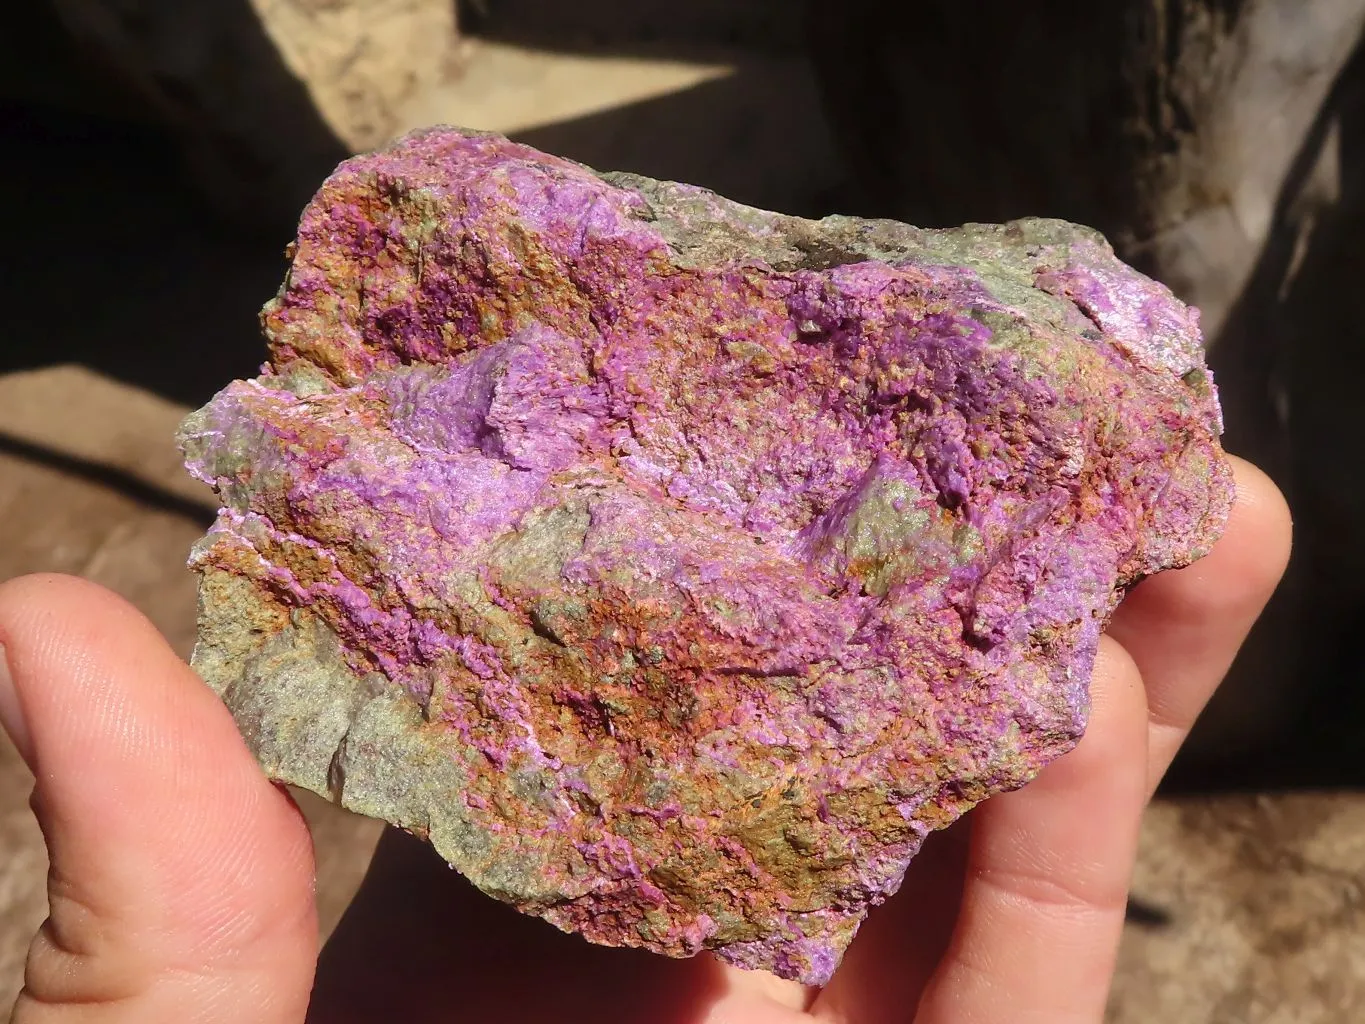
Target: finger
[(420, 945), (180, 882), (1048, 874), (1183, 628)]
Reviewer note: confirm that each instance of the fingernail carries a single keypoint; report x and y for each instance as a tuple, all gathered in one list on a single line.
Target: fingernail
[(11, 714)]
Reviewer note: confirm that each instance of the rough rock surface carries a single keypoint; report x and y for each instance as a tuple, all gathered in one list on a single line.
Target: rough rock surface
[(672, 566)]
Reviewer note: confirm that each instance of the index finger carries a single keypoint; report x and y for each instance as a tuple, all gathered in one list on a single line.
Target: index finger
[(1183, 628)]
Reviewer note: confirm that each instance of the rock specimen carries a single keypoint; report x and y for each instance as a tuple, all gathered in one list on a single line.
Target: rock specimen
[(675, 567)]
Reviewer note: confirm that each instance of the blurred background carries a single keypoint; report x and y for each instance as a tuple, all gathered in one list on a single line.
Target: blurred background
[(154, 155)]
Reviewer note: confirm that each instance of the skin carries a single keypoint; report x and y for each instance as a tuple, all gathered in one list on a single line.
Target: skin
[(181, 880)]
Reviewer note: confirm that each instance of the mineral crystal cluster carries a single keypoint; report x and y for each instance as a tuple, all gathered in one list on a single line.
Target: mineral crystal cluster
[(673, 567)]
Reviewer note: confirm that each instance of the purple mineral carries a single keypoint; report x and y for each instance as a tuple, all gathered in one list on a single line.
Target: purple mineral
[(674, 567)]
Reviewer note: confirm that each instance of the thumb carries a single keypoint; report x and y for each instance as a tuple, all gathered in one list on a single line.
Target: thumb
[(181, 880)]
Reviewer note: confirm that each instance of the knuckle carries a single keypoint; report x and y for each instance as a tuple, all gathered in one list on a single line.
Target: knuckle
[(76, 959), (1071, 897)]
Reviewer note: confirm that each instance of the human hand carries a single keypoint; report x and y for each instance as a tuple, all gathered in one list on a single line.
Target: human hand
[(181, 880)]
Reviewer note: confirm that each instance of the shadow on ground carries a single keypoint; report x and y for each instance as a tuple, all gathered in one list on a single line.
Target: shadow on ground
[(118, 262), (117, 258), (641, 27)]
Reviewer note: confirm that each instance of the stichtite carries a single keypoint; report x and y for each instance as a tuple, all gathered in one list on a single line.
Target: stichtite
[(674, 567)]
